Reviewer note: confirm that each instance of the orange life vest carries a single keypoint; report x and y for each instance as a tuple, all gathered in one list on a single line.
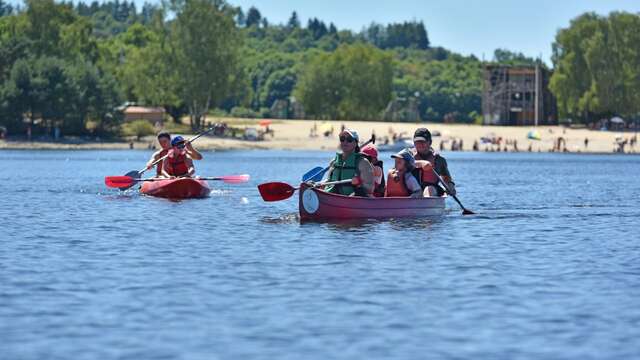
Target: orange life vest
[(177, 164), (396, 185), (427, 178)]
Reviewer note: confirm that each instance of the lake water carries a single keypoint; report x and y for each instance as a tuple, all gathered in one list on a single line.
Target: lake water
[(549, 268)]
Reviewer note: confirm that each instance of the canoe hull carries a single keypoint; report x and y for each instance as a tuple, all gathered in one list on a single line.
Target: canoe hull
[(316, 204), (184, 188)]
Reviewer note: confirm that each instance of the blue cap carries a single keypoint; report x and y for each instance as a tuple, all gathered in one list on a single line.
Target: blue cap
[(407, 156), (176, 140)]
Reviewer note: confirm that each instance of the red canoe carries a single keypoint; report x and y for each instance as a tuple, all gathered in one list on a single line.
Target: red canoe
[(183, 188), (316, 204)]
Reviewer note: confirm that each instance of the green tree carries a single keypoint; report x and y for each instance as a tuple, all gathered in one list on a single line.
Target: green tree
[(253, 17), (205, 55), (596, 63), (294, 22), (354, 82)]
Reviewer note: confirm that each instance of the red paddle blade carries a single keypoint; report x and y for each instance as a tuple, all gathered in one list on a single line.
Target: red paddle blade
[(275, 191), (119, 181), (235, 179)]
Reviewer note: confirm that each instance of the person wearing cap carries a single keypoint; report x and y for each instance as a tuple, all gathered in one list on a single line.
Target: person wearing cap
[(371, 153), (400, 181), (164, 139), (178, 162), (428, 160), (349, 163)]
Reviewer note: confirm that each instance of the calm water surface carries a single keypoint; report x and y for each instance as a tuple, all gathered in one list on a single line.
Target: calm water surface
[(550, 268)]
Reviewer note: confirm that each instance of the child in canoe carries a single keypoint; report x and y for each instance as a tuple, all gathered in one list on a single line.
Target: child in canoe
[(371, 153), (400, 181)]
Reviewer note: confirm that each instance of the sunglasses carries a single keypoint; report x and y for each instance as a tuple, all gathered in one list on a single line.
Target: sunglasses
[(181, 145), (347, 139)]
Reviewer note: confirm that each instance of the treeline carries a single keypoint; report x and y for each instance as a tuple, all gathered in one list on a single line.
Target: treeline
[(597, 67), (71, 66)]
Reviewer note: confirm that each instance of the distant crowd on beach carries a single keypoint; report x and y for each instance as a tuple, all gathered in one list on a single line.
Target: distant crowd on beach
[(493, 143)]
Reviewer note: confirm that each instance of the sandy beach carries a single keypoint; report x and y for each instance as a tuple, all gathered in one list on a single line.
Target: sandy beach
[(295, 135)]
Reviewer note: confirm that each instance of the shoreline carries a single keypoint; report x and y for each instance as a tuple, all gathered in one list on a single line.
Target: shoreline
[(295, 135)]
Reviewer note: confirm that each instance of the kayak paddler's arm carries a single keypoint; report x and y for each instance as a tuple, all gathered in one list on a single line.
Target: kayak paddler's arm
[(164, 163), (423, 164), (154, 158), (189, 164), (366, 175), (195, 154)]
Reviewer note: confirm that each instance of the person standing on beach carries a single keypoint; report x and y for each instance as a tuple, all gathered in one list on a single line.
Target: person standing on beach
[(428, 161)]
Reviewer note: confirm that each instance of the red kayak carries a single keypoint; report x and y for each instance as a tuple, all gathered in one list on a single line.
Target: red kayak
[(316, 204), (182, 188)]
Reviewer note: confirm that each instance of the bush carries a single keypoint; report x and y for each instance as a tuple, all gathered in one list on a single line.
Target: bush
[(242, 112), (138, 128)]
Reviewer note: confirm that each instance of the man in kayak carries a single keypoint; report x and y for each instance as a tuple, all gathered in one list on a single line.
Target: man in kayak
[(349, 163), (164, 139), (401, 182), (371, 153), (178, 162), (427, 160)]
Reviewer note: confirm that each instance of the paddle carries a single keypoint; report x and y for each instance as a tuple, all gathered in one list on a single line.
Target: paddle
[(465, 211), (317, 173), (276, 191), (309, 175), (136, 174), (123, 182)]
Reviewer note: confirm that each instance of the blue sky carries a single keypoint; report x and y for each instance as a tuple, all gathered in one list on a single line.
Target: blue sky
[(468, 27)]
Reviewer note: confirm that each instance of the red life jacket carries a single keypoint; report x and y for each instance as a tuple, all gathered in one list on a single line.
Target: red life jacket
[(177, 164), (427, 178), (160, 154), (396, 185)]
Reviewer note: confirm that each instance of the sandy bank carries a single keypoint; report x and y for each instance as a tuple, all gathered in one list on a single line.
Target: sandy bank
[(295, 134)]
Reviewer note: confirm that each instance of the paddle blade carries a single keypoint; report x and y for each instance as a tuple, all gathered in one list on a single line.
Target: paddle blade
[(275, 191), (467, 212), (318, 175), (235, 179), (134, 174), (120, 182), (309, 174)]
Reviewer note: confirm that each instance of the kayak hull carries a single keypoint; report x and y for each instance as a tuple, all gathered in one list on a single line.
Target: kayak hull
[(183, 188), (315, 204)]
